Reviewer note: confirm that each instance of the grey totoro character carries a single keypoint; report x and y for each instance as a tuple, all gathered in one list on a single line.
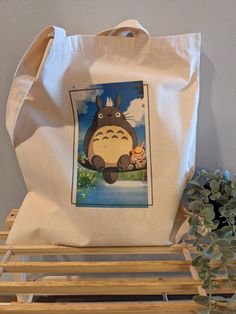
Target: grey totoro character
[(109, 140)]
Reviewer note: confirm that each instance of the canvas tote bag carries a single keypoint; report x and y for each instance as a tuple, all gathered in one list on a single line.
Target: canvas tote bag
[(104, 129)]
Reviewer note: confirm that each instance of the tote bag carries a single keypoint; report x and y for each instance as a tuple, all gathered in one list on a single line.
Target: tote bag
[(104, 129)]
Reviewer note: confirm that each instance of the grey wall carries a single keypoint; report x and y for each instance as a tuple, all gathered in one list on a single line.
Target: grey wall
[(21, 20)]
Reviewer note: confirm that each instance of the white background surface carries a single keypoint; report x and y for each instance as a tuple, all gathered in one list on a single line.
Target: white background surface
[(21, 20)]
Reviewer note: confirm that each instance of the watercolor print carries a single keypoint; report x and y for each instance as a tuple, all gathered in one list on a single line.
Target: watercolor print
[(111, 145)]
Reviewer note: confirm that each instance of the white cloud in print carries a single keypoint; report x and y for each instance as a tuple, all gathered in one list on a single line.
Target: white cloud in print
[(135, 112), (85, 96)]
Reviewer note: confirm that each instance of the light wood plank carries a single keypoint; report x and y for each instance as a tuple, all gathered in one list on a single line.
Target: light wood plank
[(100, 287), (63, 250), (4, 235), (11, 218), (101, 267), (96, 267), (107, 287), (101, 307)]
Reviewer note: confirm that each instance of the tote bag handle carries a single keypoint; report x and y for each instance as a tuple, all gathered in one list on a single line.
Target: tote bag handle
[(129, 28), (26, 73)]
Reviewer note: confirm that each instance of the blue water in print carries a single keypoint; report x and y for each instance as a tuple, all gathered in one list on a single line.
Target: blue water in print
[(121, 193)]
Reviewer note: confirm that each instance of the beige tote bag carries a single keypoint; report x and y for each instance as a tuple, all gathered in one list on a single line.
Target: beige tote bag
[(104, 129)]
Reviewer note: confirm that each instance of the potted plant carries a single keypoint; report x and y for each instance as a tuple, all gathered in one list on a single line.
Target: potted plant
[(211, 210)]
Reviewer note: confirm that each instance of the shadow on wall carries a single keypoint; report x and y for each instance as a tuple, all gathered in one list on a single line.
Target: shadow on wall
[(12, 183), (208, 153)]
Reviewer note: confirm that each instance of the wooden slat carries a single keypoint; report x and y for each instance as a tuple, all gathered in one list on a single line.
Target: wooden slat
[(96, 267), (100, 267), (67, 250), (101, 307), (3, 235), (11, 218), (101, 287), (107, 286)]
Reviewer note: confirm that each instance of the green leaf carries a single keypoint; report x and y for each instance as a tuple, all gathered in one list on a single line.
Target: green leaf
[(228, 189), (214, 235), (216, 223), (190, 192), (232, 300), (219, 299), (232, 276), (205, 192), (201, 299), (209, 250), (197, 261), (206, 259), (222, 242), (234, 182), (224, 198), (205, 285), (195, 183), (227, 254), (206, 199), (195, 197), (214, 185), (208, 212), (232, 202), (209, 206), (227, 229), (209, 224), (232, 248), (204, 172), (233, 211), (216, 255), (195, 206), (191, 230), (233, 241), (222, 210), (215, 196), (217, 173)]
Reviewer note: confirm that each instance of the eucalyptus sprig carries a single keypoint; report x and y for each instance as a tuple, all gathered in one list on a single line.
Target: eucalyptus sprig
[(211, 210)]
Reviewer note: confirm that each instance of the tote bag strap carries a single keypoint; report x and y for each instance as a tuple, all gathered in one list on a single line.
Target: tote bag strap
[(129, 28), (26, 72)]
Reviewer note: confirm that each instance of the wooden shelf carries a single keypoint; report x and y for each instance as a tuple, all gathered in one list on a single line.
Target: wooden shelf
[(164, 271)]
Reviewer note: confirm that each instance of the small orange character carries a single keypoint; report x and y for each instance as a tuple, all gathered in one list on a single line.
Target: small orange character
[(138, 156)]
